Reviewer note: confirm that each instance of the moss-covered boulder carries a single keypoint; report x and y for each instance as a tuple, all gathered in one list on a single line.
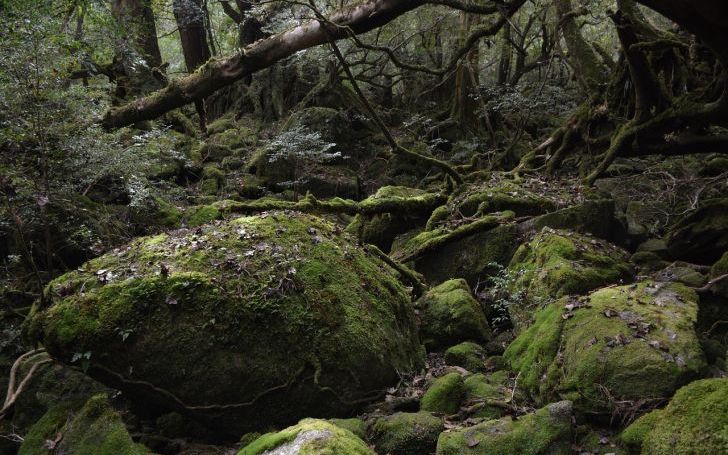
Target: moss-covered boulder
[(96, 429), (719, 269), (201, 214), (471, 256), (487, 394), (355, 425), (623, 343), (444, 395), (381, 229), (702, 236), (450, 314), (695, 421), (596, 217), (468, 355), (258, 321), (546, 431), (557, 263), (308, 437), (474, 200), (405, 433)]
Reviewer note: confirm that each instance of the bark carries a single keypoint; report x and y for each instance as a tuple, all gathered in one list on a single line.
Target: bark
[(216, 74), (506, 52), (190, 17), (136, 20), (589, 71)]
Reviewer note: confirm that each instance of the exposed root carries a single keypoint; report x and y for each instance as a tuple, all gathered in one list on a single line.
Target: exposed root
[(38, 358)]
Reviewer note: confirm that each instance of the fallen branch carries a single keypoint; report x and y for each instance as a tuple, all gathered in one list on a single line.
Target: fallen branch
[(14, 392)]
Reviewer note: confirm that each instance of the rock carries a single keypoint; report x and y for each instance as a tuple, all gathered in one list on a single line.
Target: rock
[(483, 390), (618, 344), (695, 421), (450, 314), (280, 311), (682, 273), (657, 246), (309, 436), (557, 263), (594, 217), (406, 433), (648, 261), (472, 257), (719, 269), (381, 229), (202, 214), (598, 441), (468, 355), (96, 429), (546, 431), (356, 426), (702, 236), (637, 224), (444, 395)]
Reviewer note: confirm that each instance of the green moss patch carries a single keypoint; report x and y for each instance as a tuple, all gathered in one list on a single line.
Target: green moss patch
[(449, 314), (444, 395), (695, 421), (406, 433)]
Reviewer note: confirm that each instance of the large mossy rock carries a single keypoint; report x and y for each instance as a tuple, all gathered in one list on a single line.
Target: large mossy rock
[(444, 394), (95, 429), (546, 431), (558, 263), (596, 217), (405, 433), (484, 199), (381, 229), (471, 257), (702, 236), (450, 314), (308, 437), (623, 343), (695, 422), (258, 321)]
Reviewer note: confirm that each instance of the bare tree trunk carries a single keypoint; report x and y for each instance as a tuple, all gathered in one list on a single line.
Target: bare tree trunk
[(589, 70), (190, 17), (506, 51), (136, 20)]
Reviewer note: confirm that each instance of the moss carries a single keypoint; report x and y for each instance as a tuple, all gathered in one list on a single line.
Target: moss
[(483, 390), (718, 269), (282, 303), (599, 442), (548, 430), (648, 261), (505, 196), (381, 229), (468, 355), (557, 263), (356, 426), (94, 430), (619, 344), (311, 437), (444, 395), (197, 216), (406, 433), (450, 314), (695, 421)]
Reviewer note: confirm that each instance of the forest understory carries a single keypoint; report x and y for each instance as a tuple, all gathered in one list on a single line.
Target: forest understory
[(387, 227)]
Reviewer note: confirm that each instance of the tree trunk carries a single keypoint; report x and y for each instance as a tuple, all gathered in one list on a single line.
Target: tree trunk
[(190, 17), (506, 51), (136, 21), (589, 70)]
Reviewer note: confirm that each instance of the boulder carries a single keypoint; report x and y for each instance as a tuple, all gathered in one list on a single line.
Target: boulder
[(450, 314), (257, 321), (702, 236), (468, 355), (406, 433), (444, 395), (484, 199), (381, 229), (309, 436), (96, 429), (719, 269), (483, 393), (623, 343), (556, 263), (594, 217), (695, 421), (546, 431)]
